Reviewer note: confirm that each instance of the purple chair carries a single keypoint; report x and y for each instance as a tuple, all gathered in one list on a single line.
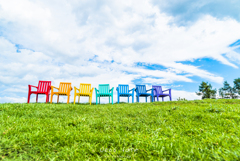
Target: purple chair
[(158, 92)]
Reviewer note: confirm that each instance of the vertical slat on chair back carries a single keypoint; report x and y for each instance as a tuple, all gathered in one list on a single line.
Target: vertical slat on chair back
[(123, 88), (158, 90), (63, 87), (141, 88), (103, 88), (85, 88), (43, 86)]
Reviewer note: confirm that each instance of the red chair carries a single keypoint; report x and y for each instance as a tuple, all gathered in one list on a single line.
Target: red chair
[(44, 87)]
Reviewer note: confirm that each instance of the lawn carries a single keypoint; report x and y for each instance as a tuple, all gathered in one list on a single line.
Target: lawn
[(177, 130)]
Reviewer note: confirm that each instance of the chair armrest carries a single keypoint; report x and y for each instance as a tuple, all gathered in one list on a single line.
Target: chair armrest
[(150, 89), (32, 86), (91, 90), (111, 89), (131, 90), (52, 87), (167, 90), (55, 87), (76, 88), (96, 90), (136, 90)]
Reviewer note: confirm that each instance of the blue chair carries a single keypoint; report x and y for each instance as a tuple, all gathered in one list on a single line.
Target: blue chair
[(123, 91), (142, 92)]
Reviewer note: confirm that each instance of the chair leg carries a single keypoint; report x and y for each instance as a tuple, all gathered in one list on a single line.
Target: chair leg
[(112, 99), (78, 98), (118, 99), (90, 100), (157, 98), (74, 99), (96, 99), (132, 98), (128, 99), (146, 99), (170, 97), (58, 98), (51, 98), (68, 99), (162, 99), (46, 98), (29, 94), (99, 99), (36, 98), (109, 99)]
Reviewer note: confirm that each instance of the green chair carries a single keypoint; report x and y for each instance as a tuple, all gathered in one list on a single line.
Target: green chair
[(104, 91)]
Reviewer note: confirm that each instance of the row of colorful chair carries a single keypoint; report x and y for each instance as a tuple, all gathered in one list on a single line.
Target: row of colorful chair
[(44, 87)]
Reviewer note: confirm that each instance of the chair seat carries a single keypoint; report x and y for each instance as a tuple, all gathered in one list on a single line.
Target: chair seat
[(161, 95), (83, 94), (60, 93), (104, 94), (125, 94), (145, 94)]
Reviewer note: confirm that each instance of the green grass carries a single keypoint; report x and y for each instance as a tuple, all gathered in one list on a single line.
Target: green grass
[(183, 130)]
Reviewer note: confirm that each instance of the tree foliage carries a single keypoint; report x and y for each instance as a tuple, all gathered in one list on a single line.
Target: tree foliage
[(237, 85), (227, 91), (206, 91)]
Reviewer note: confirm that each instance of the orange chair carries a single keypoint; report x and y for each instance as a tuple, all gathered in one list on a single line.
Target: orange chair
[(64, 90), (84, 90)]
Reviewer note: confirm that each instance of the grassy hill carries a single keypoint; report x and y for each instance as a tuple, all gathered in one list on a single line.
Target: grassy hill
[(183, 130)]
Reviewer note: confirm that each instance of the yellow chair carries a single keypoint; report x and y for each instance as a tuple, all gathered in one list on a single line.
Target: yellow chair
[(64, 90), (84, 90)]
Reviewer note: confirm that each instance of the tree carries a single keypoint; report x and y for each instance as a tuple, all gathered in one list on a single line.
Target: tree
[(237, 85), (206, 91), (228, 91), (221, 93)]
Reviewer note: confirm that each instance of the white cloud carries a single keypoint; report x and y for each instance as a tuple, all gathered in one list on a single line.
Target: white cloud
[(13, 99), (184, 94)]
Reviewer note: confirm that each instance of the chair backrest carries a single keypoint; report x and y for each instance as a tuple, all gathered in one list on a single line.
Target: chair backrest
[(103, 88), (43, 86), (123, 88), (141, 88), (64, 87), (158, 90), (85, 88)]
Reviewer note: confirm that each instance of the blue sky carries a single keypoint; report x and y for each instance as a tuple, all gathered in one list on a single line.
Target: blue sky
[(173, 43)]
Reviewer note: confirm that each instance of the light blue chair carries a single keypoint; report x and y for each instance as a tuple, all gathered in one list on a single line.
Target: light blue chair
[(104, 91), (123, 91)]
